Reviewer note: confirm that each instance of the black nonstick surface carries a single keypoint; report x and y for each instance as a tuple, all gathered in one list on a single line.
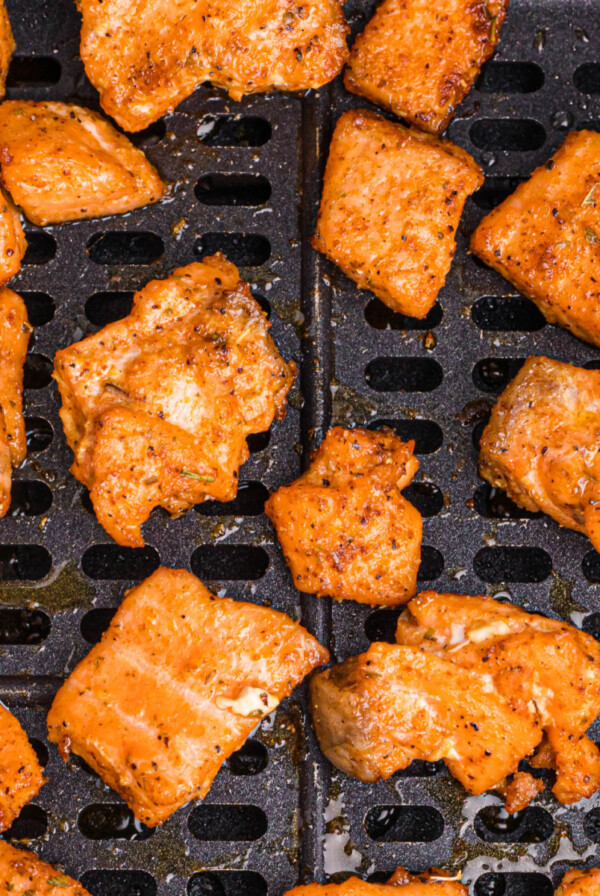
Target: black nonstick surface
[(247, 180)]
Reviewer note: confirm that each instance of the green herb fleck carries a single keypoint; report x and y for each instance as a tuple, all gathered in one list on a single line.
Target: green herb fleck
[(429, 634), (191, 475), (59, 881), (591, 235)]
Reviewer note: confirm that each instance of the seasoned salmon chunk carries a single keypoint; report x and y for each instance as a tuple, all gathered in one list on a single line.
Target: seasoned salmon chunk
[(580, 883), (20, 772), (23, 874), (7, 47), (61, 162), (420, 59), (14, 339), (477, 683), (545, 238), (392, 200), (176, 685), (157, 406), (145, 58), (344, 526), (429, 883), (541, 443), (12, 239)]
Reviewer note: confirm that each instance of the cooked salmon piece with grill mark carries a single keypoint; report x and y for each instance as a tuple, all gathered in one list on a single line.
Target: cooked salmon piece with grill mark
[(391, 204), (579, 882), (535, 662), (20, 772), (541, 443), (420, 59), (146, 57), (23, 874), (474, 682), (429, 883), (344, 526), (15, 330), (157, 406), (7, 47), (178, 682), (13, 244), (61, 162), (545, 238)]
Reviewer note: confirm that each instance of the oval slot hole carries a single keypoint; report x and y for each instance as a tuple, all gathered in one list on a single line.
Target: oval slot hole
[(41, 751), (432, 564), (29, 497), (234, 130), (41, 247), (421, 769), (150, 136), (380, 625), (494, 504), (111, 821), (404, 824), (510, 564), (380, 317), (229, 562), (403, 374), (251, 759), (591, 625), (22, 626), (426, 497), (507, 134), (427, 435), (514, 314), (227, 822), (121, 247), (119, 883), (106, 307), (37, 373), (513, 884), (494, 191), (258, 441), (24, 562), (33, 71), (31, 824), (233, 189), (95, 622), (227, 883), (39, 434), (493, 824), (246, 250), (250, 501), (111, 561), (40, 308), (493, 374), (587, 78), (510, 77), (590, 566)]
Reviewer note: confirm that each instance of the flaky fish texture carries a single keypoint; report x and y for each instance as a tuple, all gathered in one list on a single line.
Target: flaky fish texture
[(477, 683), (146, 56), (15, 330), (391, 204), (20, 772), (177, 683), (345, 528), (545, 238), (61, 162), (23, 873), (157, 406), (541, 443)]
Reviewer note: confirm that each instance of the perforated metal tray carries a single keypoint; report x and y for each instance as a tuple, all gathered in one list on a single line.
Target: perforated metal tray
[(247, 179)]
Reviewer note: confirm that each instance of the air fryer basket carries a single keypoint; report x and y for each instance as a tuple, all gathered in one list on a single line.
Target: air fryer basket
[(247, 180)]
